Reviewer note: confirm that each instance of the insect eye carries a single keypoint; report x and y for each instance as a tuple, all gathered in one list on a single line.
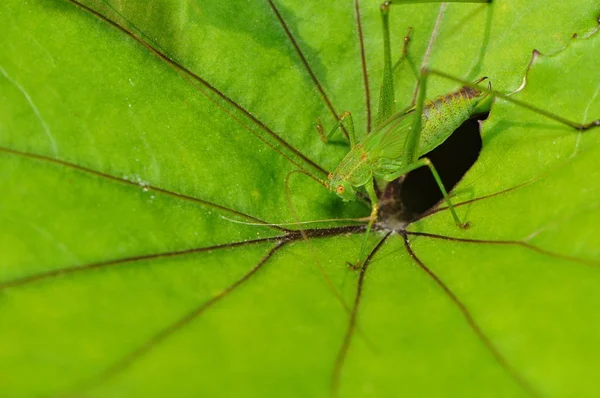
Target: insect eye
[(330, 176), (340, 189)]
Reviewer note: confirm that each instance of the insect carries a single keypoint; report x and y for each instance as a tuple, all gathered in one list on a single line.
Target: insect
[(253, 305), (399, 140)]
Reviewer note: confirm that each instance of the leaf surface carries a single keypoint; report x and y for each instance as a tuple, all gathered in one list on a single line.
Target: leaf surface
[(119, 275)]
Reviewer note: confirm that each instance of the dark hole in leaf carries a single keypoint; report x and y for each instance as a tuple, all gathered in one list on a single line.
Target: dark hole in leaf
[(407, 198)]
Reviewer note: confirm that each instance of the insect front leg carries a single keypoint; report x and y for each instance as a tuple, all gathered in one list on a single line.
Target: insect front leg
[(370, 187), (404, 50), (345, 120)]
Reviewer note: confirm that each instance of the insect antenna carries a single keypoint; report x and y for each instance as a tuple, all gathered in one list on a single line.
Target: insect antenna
[(204, 87), (329, 220), (312, 250)]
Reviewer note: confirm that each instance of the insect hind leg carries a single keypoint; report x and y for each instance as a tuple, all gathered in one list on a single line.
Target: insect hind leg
[(387, 95), (426, 162)]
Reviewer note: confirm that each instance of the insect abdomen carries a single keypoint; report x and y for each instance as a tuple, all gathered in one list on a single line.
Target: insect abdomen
[(444, 115)]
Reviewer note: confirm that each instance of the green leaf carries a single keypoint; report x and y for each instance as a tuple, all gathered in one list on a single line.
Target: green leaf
[(120, 276)]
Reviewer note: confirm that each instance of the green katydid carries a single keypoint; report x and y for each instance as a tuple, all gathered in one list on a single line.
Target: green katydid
[(395, 146)]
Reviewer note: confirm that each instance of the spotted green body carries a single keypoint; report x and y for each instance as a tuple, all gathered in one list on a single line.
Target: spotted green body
[(382, 153)]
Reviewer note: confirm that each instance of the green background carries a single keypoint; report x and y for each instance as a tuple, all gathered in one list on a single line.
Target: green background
[(75, 90)]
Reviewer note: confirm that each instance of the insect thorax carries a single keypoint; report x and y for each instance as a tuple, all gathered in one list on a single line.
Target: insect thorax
[(354, 168)]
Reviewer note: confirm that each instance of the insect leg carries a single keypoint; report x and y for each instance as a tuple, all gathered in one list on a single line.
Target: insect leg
[(370, 187), (410, 155), (346, 120), (386, 97), (411, 144), (426, 162), (404, 50), (496, 94)]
